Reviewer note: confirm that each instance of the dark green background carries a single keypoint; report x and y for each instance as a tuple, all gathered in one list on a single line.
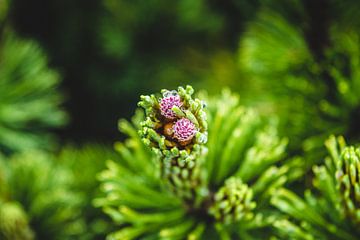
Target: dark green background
[(109, 52)]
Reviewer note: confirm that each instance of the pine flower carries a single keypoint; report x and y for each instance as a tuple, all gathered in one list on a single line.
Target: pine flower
[(184, 130), (171, 99)]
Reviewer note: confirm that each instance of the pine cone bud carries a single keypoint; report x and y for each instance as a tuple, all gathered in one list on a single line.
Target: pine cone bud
[(184, 130), (176, 129), (348, 182), (171, 99), (233, 202)]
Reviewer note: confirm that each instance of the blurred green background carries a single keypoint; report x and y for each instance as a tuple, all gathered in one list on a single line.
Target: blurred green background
[(109, 52), (70, 69)]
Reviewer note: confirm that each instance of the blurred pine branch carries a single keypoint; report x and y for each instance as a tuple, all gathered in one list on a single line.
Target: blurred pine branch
[(43, 191), (313, 89), (52, 194), (85, 162), (330, 211), (29, 97)]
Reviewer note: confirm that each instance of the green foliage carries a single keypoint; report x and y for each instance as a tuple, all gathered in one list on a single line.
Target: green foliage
[(272, 46), (135, 198), (229, 174), (302, 85), (4, 5), (43, 192), (13, 222), (125, 24), (347, 172), (330, 212), (151, 45), (243, 151), (275, 55), (85, 163), (29, 101), (233, 202), (54, 193), (185, 18), (159, 44)]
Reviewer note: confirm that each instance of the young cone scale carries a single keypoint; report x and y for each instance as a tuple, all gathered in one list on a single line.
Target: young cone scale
[(176, 130)]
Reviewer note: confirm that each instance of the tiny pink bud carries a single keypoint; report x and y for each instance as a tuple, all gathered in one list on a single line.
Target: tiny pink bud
[(170, 100), (184, 130)]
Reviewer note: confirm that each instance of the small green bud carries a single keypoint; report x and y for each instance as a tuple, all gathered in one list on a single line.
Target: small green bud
[(233, 202), (348, 182)]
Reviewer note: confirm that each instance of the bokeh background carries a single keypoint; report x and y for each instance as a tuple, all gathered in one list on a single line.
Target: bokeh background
[(109, 52)]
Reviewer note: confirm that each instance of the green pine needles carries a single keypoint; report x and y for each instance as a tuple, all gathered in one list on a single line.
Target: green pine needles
[(48, 196), (301, 84), (14, 223), (37, 194), (187, 187), (29, 97), (332, 210)]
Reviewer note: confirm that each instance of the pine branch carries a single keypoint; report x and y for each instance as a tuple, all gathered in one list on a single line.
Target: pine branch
[(331, 211), (40, 190), (29, 98), (301, 87), (238, 173)]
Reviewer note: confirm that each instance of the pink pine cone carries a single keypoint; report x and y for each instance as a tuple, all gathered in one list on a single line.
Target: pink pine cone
[(167, 103), (184, 130)]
